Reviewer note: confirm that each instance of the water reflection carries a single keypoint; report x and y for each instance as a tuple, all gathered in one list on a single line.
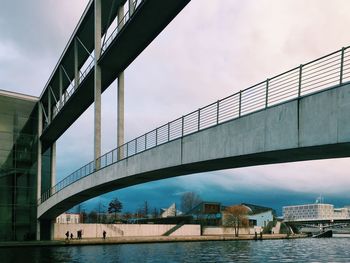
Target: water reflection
[(300, 250)]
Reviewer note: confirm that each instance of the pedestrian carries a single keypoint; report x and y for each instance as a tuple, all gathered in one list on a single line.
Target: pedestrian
[(67, 235), (104, 234), (71, 235)]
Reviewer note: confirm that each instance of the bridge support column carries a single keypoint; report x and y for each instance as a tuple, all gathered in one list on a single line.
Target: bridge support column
[(38, 182), (76, 64), (131, 7), (97, 85), (120, 96), (60, 86), (53, 164)]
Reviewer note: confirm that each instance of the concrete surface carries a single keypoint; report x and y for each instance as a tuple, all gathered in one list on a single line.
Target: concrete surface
[(123, 230), (314, 127)]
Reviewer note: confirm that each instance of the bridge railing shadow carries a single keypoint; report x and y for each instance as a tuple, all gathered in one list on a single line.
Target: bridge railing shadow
[(320, 74)]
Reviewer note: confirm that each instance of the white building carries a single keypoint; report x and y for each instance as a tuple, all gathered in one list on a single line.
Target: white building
[(170, 211), (68, 218), (314, 212), (261, 219)]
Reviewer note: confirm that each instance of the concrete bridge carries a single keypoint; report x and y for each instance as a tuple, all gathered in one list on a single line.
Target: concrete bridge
[(313, 127), (301, 114)]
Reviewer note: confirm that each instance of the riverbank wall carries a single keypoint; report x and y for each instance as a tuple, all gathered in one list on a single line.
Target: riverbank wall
[(125, 230)]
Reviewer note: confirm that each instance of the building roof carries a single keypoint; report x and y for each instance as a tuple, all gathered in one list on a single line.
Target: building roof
[(257, 209)]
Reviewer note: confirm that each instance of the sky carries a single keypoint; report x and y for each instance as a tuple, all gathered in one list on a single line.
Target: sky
[(209, 51)]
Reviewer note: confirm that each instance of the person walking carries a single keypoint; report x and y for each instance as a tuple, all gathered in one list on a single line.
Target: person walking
[(67, 235), (104, 234)]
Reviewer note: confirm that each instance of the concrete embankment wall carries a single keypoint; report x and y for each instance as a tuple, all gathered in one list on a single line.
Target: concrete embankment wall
[(229, 231), (118, 230)]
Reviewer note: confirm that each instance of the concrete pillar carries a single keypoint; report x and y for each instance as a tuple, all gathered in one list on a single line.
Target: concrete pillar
[(120, 19), (60, 98), (120, 113), (97, 84), (38, 183), (49, 107), (53, 164), (131, 7), (76, 64), (120, 96)]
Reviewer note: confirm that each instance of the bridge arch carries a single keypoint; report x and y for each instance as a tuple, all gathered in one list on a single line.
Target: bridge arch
[(315, 126)]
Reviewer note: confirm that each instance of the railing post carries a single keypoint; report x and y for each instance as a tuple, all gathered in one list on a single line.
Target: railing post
[(145, 141), (267, 94), (341, 66), (168, 131), (182, 126), (217, 112), (199, 119), (300, 74), (240, 104), (135, 145), (156, 136)]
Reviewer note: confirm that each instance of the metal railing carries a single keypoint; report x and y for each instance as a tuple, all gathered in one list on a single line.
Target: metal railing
[(105, 44), (120, 25), (320, 74)]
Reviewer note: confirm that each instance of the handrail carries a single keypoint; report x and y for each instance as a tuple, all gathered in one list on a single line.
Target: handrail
[(255, 98)]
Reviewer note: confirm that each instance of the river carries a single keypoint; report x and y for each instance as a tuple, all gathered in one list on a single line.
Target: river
[(296, 250)]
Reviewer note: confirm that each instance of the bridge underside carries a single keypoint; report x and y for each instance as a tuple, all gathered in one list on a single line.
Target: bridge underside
[(310, 128), (147, 22)]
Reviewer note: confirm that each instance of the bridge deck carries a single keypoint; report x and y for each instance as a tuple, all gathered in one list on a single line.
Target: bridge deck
[(313, 127)]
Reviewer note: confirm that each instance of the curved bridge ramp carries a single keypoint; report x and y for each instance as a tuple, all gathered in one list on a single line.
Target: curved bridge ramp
[(316, 126)]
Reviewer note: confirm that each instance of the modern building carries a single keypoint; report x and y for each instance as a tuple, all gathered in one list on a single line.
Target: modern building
[(68, 218), (168, 212), (18, 166), (259, 215), (206, 213), (314, 212)]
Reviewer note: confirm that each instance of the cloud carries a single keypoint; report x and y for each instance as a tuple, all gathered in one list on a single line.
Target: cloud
[(211, 50)]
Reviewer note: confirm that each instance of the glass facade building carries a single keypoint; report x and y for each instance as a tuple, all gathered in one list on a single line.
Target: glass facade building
[(18, 166)]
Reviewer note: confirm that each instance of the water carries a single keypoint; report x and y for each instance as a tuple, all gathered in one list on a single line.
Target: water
[(297, 250)]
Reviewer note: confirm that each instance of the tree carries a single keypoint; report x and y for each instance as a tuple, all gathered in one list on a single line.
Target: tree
[(115, 206), (100, 211), (236, 217), (92, 217), (145, 209), (127, 216), (155, 213), (189, 200)]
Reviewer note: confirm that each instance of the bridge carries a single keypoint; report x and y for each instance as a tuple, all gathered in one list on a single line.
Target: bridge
[(301, 114)]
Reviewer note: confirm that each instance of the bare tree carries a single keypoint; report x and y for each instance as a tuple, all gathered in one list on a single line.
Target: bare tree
[(155, 213), (92, 216), (115, 206), (145, 209), (189, 200), (236, 216)]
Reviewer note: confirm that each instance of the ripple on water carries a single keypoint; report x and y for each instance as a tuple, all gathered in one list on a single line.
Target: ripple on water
[(297, 250)]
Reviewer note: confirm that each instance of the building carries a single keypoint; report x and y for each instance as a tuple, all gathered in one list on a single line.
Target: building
[(206, 213), (68, 218), (314, 212), (168, 212), (18, 166), (259, 215)]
